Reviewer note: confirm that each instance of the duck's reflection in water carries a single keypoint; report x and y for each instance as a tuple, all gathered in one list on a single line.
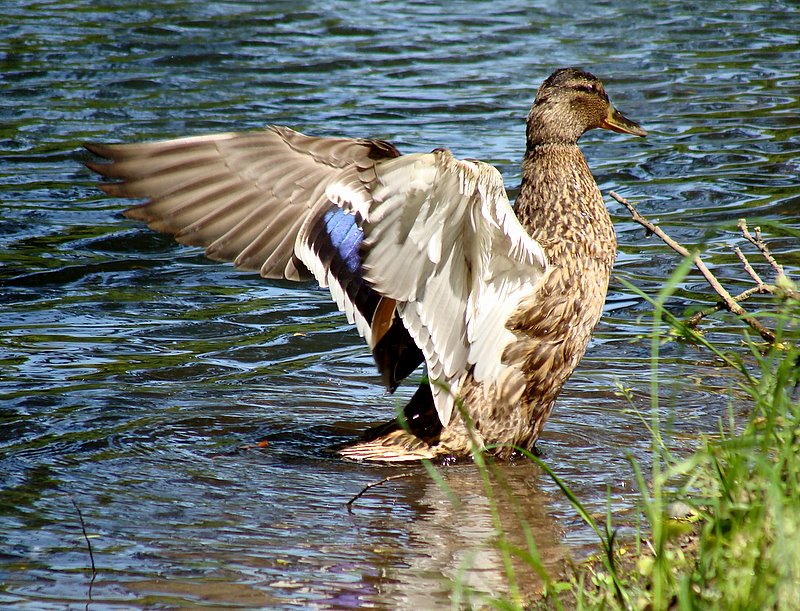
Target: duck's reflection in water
[(453, 547)]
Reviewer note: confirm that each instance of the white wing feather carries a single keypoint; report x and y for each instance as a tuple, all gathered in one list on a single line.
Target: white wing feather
[(441, 239)]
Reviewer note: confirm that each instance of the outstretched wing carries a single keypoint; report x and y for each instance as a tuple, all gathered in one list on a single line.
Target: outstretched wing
[(259, 199), (441, 239), (243, 196)]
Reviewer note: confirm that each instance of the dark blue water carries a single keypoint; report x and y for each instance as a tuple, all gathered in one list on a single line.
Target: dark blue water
[(138, 378)]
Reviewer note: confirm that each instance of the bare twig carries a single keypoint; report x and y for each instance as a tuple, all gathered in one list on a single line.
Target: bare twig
[(728, 301), (373, 485), (759, 243), (695, 319), (749, 268), (89, 547), (85, 536), (651, 229)]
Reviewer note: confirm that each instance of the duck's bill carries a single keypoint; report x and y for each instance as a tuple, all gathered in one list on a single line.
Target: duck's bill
[(617, 122)]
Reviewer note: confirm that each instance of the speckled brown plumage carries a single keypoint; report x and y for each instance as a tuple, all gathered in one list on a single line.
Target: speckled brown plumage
[(563, 208)]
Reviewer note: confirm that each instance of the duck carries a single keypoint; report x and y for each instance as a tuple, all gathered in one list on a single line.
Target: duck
[(423, 252)]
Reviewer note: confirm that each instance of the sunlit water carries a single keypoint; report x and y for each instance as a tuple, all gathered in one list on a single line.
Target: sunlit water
[(138, 378)]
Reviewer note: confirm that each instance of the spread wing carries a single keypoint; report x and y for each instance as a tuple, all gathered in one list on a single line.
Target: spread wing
[(441, 240), (243, 196), (259, 199)]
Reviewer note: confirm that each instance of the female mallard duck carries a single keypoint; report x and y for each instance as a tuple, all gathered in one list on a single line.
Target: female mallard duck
[(423, 253)]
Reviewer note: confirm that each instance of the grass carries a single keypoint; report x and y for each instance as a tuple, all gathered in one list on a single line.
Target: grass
[(743, 486), (721, 527)]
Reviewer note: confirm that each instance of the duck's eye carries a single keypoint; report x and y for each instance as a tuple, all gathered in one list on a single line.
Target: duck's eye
[(588, 88)]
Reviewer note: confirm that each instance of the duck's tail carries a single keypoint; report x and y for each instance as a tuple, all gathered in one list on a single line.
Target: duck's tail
[(395, 446), (414, 436)]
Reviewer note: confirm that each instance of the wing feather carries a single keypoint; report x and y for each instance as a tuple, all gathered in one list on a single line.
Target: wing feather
[(230, 192), (442, 240)]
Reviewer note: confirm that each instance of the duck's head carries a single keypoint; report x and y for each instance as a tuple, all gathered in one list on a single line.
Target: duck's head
[(569, 103)]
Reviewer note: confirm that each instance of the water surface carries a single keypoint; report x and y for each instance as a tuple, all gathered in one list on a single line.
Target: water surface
[(138, 378)]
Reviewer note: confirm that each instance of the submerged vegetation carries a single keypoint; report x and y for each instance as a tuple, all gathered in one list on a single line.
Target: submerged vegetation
[(719, 528)]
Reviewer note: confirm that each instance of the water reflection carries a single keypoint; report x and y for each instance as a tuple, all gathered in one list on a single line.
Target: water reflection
[(210, 536), (133, 371)]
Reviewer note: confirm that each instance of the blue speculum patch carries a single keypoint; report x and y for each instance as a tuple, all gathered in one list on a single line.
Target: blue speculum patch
[(345, 237), (336, 240)]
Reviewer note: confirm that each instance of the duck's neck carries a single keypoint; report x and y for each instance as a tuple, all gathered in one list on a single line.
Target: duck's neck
[(561, 207)]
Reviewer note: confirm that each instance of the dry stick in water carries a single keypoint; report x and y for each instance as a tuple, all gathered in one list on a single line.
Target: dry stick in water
[(85, 536), (372, 485), (695, 319), (783, 288), (760, 244), (88, 545), (761, 287), (729, 302), (760, 284)]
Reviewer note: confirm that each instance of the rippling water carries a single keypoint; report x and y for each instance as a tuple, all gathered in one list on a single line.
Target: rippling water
[(138, 378)]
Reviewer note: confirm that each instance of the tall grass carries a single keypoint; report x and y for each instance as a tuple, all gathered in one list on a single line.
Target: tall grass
[(722, 525)]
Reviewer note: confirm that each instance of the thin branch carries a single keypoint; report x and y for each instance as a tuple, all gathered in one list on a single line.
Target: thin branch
[(729, 302), (747, 267), (759, 243), (695, 319), (373, 485), (85, 536), (89, 547), (652, 229)]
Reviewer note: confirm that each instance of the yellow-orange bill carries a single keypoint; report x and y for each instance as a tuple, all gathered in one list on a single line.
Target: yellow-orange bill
[(618, 122)]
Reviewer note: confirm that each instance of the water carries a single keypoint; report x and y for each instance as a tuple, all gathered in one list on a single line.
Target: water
[(138, 378)]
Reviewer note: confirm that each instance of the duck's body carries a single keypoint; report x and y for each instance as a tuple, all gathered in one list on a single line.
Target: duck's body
[(561, 207), (421, 251)]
